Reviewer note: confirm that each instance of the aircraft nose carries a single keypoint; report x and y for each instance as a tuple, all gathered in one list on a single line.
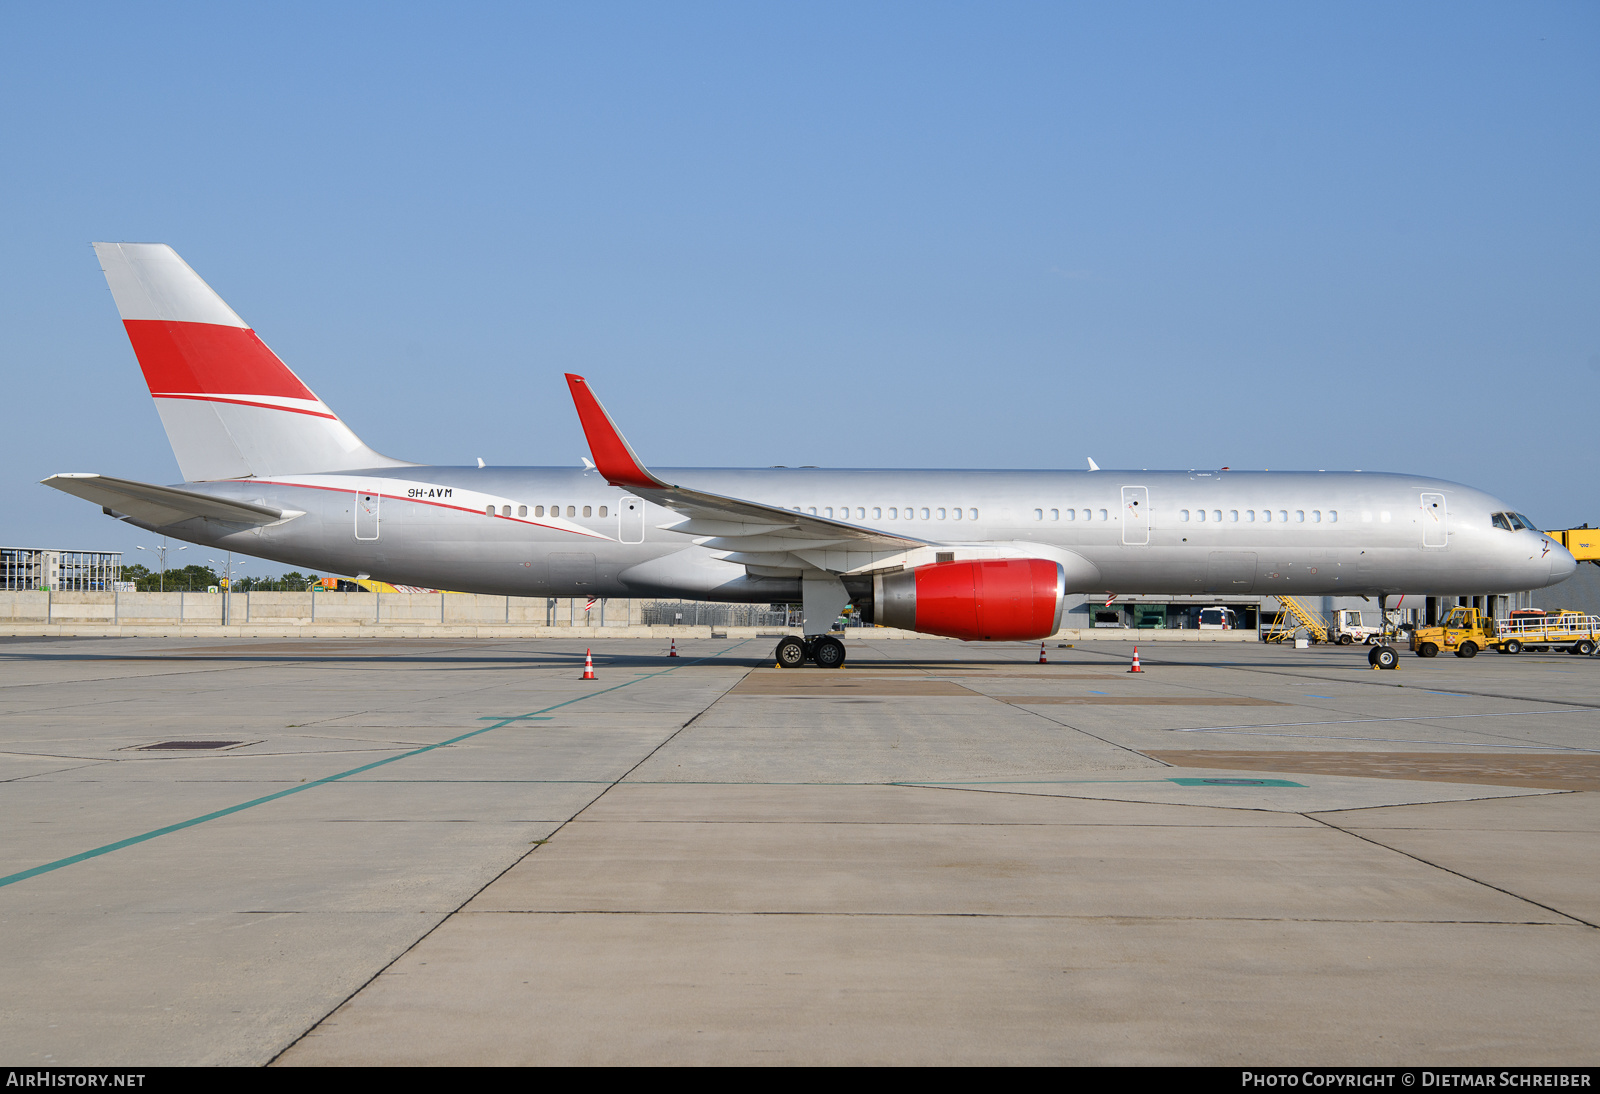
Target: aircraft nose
[(1562, 564)]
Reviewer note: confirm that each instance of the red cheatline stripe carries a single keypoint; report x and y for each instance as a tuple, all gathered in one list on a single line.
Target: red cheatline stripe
[(436, 504), (243, 402), (210, 359)]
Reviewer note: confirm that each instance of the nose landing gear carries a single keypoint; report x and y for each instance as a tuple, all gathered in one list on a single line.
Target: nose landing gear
[(824, 649)]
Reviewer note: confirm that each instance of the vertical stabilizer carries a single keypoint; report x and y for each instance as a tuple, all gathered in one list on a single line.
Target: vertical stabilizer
[(230, 407)]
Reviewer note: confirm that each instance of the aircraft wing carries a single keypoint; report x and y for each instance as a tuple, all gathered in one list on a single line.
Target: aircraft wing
[(759, 535), (159, 506)]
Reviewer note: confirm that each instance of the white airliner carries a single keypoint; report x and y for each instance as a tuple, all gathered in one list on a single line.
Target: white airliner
[(271, 471)]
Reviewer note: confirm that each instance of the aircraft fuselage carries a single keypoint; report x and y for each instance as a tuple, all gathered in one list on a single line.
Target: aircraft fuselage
[(1194, 532)]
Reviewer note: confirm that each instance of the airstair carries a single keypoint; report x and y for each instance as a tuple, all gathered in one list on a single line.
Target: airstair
[(1294, 617)]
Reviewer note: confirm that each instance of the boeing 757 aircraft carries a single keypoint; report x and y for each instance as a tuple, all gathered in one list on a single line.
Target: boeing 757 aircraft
[(271, 471)]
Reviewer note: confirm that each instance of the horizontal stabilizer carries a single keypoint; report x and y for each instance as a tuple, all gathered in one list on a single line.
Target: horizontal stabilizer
[(159, 506)]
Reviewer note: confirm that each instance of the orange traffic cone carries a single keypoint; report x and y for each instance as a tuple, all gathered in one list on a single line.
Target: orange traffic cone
[(673, 652), (1136, 667), (1042, 660), (588, 666)]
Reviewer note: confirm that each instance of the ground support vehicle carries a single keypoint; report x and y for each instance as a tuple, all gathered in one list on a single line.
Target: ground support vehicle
[(1349, 629), (1572, 631), (1464, 632)]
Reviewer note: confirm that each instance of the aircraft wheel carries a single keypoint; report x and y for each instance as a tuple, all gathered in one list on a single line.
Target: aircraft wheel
[(828, 652), (1585, 648), (1468, 649), (1511, 645), (791, 653), (1427, 649), (1385, 657)]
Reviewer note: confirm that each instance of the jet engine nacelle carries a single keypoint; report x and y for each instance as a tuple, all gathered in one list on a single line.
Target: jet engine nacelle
[(984, 599)]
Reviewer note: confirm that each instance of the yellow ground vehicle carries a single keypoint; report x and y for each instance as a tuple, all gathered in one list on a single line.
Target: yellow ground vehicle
[(1566, 629), (1464, 632)]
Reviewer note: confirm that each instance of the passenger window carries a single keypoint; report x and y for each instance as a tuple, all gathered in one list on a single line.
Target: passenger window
[(1055, 514), (1038, 514), (972, 514), (925, 515), (894, 514), (877, 513), (1103, 515), (1216, 515), (813, 510), (941, 514), (1072, 514), (538, 510), (588, 511), (1266, 516), (572, 510), (1183, 514), (602, 510), (1316, 516), (1233, 515), (1333, 516), (522, 510), (1300, 516), (1088, 514), (1283, 515), (1200, 515), (505, 510), (861, 513), (1249, 516), (488, 511), (956, 513), (828, 512)]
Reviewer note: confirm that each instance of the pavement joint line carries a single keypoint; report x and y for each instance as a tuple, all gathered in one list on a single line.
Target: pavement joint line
[(607, 787), (143, 837), (1086, 917), (1448, 870)]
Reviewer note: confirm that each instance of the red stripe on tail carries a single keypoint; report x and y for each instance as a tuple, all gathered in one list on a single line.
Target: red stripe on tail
[(209, 359)]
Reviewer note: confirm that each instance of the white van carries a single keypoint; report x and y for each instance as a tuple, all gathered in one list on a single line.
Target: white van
[(1218, 619)]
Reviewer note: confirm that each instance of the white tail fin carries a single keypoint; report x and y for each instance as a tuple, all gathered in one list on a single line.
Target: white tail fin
[(230, 407)]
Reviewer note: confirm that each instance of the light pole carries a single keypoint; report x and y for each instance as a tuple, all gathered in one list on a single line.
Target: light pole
[(161, 556), (227, 586)]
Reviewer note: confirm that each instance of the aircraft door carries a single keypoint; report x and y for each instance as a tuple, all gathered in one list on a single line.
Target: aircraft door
[(632, 513), (1135, 516), (1435, 521), (367, 515)]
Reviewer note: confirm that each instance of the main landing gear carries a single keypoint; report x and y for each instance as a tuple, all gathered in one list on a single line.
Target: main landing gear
[(826, 650)]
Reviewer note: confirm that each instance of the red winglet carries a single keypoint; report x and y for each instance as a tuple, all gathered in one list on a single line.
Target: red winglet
[(612, 456)]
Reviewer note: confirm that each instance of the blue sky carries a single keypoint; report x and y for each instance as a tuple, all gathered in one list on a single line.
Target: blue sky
[(922, 234)]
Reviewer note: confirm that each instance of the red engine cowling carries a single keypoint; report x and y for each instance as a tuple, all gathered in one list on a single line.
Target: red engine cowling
[(983, 600)]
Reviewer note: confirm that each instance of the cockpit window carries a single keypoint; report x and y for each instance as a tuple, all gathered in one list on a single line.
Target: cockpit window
[(1526, 523), (1501, 520)]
